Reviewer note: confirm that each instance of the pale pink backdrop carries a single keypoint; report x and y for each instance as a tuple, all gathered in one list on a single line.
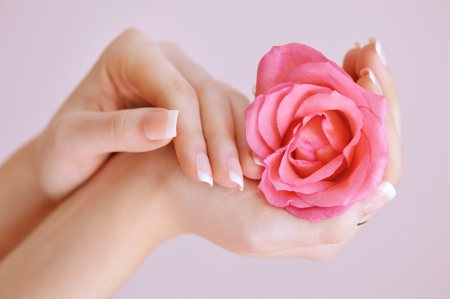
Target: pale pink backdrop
[(404, 252)]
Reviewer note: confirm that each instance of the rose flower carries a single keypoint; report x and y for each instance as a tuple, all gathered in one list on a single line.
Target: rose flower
[(319, 135)]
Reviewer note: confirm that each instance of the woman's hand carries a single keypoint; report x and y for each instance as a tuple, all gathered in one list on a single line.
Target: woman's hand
[(101, 117), (113, 110)]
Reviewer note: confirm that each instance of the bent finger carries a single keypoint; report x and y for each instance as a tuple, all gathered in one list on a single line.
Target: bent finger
[(349, 63), (145, 72), (216, 117), (251, 165), (373, 56)]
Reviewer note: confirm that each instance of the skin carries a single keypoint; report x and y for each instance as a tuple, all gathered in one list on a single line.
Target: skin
[(136, 201)]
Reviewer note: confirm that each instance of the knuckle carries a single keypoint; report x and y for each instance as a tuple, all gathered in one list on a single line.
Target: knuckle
[(170, 46), (333, 234), (116, 127), (59, 130), (180, 86)]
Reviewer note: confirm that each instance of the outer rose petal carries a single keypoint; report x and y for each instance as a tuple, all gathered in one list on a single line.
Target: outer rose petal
[(379, 155), (254, 138), (325, 74), (315, 214), (267, 118), (279, 62), (279, 198)]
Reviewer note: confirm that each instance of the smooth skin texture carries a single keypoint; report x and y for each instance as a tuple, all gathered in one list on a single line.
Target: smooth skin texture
[(112, 111), (101, 233)]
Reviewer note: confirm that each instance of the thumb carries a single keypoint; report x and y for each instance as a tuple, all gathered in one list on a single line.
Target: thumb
[(130, 130)]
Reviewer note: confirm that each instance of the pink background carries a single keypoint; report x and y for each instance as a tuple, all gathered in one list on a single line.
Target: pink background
[(46, 47)]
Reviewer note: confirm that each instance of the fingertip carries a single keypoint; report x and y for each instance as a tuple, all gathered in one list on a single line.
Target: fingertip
[(349, 63), (161, 124), (369, 81), (203, 167), (252, 166)]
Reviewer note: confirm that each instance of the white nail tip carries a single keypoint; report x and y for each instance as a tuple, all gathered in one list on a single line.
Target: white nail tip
[(379, 49), (256, 160), (387, 188), (171, 130), (367, 71), (204, 177), (237, 179)]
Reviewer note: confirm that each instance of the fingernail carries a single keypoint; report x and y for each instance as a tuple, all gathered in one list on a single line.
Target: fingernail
[(379, 49), (366, 71), (256, 160), (161, 125), (384, 193), (357, 45), (387, 188), (204, 172), (235, 172)]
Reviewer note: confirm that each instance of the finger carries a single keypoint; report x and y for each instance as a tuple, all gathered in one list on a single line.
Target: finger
[(143, 69), (373, 56), (394, 169), (349, 64), (131, 130), (216, 116), (251, 165)]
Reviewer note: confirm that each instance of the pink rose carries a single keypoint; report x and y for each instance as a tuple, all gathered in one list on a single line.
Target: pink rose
[(320, 136)]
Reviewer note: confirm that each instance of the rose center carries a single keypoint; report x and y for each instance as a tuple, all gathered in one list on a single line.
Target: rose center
[(319, 139)]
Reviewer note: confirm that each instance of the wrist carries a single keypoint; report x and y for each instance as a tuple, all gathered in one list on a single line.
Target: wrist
[(23, 202)]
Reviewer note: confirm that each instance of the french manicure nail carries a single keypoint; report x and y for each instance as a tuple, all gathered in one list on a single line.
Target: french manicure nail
[(204, 172), (367, 71), (379, 50), (384, 193), (256, 160), (235, 172), (388, 189), (161, 125), (357, 45)]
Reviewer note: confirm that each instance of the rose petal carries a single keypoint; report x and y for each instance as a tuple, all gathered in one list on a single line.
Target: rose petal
[(254, 138), (335, 130), (379, 155), (312, 132), (267, 118), (335, 101), (325, 74), (348, 184), (282, 173), (279, 198), (290, 104), (315, 214), (326, 154), (280, 61), (377, 105)]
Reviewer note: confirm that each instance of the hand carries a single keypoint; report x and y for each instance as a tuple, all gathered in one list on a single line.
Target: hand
[(111, 111), (101, 117)]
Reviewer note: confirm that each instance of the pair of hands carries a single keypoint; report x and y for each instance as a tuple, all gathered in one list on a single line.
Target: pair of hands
[(136, 201)]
